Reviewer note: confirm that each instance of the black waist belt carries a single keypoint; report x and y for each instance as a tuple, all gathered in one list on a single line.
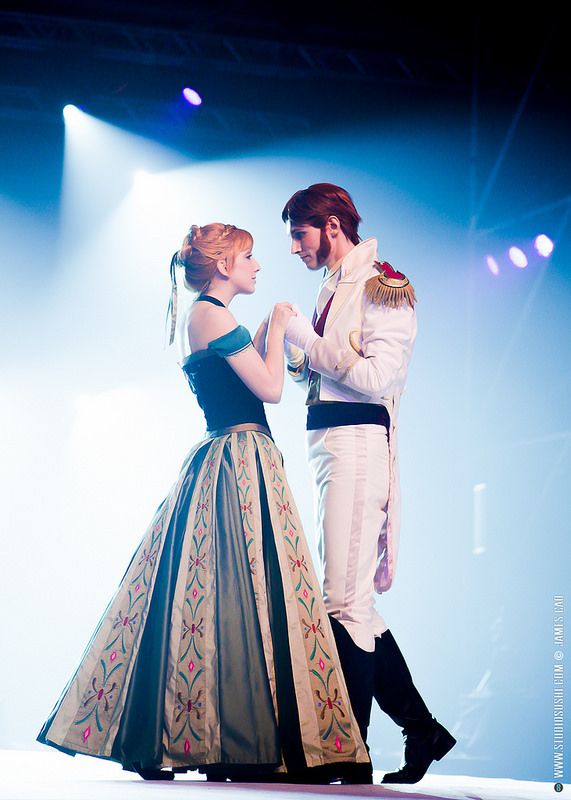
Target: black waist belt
[(333, 415)]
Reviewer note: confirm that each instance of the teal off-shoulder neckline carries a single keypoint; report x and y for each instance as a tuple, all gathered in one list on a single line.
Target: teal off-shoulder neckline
[(228, 344)]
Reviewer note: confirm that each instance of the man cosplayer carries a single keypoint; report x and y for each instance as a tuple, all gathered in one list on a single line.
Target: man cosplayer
[(353, 358)]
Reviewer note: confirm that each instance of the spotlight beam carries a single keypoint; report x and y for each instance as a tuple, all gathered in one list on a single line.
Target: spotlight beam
[(540, 498), (511, 131), (531, 214)]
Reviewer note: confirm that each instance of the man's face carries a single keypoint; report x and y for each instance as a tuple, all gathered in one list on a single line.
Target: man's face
[(310, 244)]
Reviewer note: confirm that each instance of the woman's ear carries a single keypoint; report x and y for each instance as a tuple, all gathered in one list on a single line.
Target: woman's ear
[(222, 267)]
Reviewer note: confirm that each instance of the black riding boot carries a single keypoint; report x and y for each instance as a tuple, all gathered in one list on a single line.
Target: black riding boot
[(425, 739), (358, 669)]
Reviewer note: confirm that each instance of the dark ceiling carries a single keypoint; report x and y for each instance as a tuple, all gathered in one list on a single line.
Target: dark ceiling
[(269, 71)]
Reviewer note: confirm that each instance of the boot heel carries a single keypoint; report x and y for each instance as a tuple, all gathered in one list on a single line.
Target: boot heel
[(444, 743)]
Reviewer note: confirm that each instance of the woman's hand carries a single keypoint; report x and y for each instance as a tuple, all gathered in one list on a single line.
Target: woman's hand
[(265, 375), (281, 314)]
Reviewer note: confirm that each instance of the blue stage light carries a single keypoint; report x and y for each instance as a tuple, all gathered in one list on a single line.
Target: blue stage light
[(544, 245), (492, 265), (70, 112), (191, 96), (518, 257)]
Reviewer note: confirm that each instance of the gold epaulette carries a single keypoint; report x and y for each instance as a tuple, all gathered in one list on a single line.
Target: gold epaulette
[(389, 288)]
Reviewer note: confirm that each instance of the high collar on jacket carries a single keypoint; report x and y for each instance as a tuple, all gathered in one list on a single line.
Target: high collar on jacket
[(358, 261), (356, 264)]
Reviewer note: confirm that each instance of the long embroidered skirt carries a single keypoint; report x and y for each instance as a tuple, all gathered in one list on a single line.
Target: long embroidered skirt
[(216, 651)]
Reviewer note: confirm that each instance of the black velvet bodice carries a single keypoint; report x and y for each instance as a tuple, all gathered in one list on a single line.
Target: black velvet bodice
[(223, 397), (221, 394)]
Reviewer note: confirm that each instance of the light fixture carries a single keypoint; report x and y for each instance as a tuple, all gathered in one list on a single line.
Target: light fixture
[(492, 265), (191, 96), (518, 257), (543, 245)]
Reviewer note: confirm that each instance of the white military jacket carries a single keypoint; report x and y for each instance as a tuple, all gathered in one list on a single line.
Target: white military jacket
[(363, 357)]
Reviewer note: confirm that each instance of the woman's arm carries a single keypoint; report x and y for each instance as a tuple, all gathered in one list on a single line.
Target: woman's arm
[(259, 340), (263, 376)]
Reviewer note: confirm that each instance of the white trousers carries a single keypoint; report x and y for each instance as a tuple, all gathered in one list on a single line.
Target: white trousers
[(350, 466)]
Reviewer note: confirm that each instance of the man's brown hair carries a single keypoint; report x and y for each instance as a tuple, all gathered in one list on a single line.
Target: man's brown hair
[(314, 205)]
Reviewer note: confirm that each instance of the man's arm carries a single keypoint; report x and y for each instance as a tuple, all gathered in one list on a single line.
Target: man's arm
[(387, 336), (297, 364)]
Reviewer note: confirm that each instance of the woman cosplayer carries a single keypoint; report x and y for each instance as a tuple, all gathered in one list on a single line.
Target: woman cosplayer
[(216, 651)]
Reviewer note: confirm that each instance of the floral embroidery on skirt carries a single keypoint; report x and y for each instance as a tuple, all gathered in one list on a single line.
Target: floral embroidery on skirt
[(217, 641)]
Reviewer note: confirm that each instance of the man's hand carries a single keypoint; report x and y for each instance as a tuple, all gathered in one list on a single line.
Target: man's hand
[(300, 331), (294, 355)]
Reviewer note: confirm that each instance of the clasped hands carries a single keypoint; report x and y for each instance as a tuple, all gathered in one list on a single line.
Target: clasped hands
[(299, 334)]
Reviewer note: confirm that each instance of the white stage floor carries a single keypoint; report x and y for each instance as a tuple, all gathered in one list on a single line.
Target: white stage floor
[(35, 775)]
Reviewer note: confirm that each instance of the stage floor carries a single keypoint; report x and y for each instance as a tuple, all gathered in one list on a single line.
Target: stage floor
[(35, 775)]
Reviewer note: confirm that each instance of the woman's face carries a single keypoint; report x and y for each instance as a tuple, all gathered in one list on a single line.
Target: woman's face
[(243, 272)]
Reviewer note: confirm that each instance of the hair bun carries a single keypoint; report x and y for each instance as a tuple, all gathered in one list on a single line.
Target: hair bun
[(189, 248)]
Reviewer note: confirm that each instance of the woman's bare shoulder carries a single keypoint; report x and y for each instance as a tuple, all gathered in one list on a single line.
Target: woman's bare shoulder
[(206, 322)]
